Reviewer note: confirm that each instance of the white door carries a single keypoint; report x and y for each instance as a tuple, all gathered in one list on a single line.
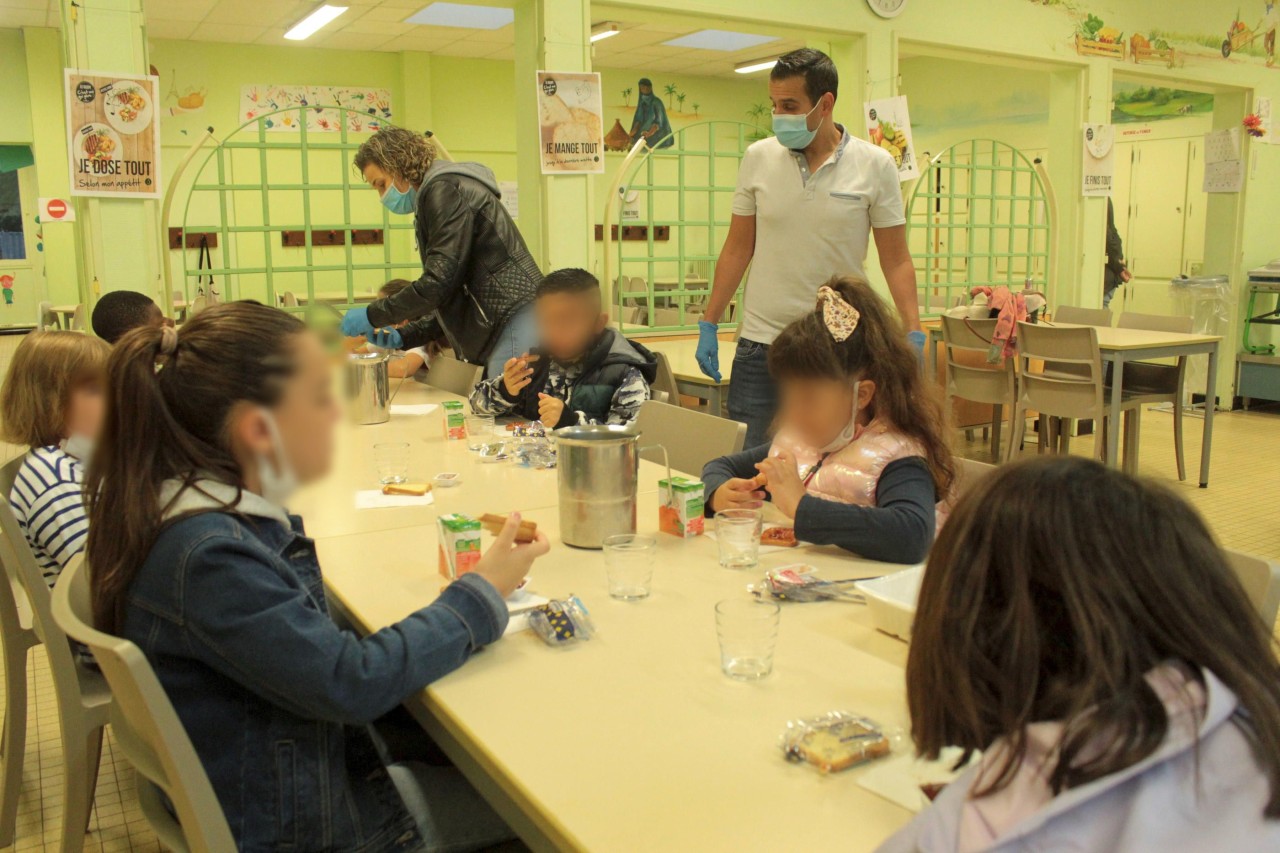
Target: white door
[(1197, 203), (1158, 195)]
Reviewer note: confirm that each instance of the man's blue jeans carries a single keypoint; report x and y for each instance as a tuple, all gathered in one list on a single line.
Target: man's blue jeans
[(753, 398)]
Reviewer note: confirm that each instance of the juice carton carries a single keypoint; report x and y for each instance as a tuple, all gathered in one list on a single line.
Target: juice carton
[(680, 512), (454, 424), (459, 544)]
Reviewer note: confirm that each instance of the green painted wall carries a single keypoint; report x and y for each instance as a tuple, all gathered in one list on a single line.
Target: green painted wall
[(15, 99)]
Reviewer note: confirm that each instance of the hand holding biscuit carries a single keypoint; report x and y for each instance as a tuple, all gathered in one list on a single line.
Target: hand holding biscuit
[(517, 373)]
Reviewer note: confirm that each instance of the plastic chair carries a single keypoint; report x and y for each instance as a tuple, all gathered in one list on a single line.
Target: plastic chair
[(197, 305), (147, 730), (1261, 581), (992, 385), (1148, 382), (660, 396), (1075, 393), (84, 701), (47, 319), (77, 319), (1082, 316), (289, 299), (18, 635), (179, 306), (454, 376), (692, 439), (969, 473), (665, 380)]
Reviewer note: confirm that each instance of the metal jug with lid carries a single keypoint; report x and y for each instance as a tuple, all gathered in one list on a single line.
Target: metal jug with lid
[(598, 470), (368, 387)]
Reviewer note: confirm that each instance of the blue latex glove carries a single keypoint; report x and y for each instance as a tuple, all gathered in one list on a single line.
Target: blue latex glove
[(918, 341), (385, 338), (708, 352), (355, 322)]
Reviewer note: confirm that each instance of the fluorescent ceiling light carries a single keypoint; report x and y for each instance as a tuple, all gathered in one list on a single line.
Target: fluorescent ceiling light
[(600, 32), (308, 26), (755, 65), (725, 40), (463, 15)]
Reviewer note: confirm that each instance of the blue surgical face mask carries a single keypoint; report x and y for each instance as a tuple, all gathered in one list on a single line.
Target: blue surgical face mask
[(398, 202), (793, 131)]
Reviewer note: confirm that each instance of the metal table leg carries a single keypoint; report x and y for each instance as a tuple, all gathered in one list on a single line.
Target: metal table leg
[(1210, 403), (1114, 426)]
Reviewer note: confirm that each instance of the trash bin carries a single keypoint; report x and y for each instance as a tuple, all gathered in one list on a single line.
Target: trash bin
[(1206, 299)]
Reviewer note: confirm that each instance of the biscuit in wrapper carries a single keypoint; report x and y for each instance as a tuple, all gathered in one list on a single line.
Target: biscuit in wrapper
[(834, 742)]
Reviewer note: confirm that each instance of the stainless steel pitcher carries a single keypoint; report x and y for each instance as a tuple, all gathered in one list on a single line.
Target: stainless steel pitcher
[(368, 387), (598, 470)]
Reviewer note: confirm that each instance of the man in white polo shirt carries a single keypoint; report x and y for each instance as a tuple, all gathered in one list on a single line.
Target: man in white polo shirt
[(808, 200)]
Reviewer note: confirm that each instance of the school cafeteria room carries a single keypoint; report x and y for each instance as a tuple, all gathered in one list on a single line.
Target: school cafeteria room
[(639, 426)]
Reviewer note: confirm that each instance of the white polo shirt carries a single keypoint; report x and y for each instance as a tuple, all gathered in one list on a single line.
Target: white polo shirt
[(809, 227)]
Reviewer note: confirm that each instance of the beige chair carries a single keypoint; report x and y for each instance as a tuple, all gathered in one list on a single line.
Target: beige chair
[(1082, 316), (78, 323), (179, 306), (665, 381), (1148, 382), (1074, 389), (969, 473), (288, 299), (691, 438), (1060, 430), (1261, 581), (197, 305), (84, 700), (993, 385), (147, 730), (18, 635), (454, 376), (660, 396), (47, 319)]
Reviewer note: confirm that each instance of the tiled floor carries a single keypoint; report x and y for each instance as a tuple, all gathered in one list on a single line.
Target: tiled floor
[(1239, 505)]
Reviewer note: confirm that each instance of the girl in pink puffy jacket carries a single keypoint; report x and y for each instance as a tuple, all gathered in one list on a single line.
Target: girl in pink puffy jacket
[(860, 456)]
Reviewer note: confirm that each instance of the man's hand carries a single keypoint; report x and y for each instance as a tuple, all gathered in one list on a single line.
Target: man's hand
[(517, 374), (737, 494), (783, 482), (550, 410), (1125, 275), (708, 352)]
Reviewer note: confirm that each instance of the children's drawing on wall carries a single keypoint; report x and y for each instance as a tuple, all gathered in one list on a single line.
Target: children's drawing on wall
[(6, 287), (370, 108), (1133, 102), (650, 119), (182, 99)]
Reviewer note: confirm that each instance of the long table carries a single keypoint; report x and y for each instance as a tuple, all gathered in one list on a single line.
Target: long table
[(690, 380), (634, 740)]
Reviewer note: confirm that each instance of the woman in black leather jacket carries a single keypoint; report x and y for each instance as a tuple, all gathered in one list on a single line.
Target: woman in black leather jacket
[(476, 289)]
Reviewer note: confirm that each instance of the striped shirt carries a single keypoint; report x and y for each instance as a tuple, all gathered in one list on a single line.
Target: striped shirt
[(49, 505)]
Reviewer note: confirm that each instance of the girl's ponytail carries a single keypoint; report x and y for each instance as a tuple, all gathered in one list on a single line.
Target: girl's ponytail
[(168, 396)]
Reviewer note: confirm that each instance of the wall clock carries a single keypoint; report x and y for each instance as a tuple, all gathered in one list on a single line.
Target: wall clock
[(887, 8)]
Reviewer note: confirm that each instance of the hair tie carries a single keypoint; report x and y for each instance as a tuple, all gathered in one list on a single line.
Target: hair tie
[(840, 317), (168, 340)]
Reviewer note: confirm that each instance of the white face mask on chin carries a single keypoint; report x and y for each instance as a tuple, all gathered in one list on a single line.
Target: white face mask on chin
[(276, 477), (850, 429)]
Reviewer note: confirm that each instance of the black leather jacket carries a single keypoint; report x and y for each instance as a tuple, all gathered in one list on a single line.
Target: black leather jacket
[(476, 270)]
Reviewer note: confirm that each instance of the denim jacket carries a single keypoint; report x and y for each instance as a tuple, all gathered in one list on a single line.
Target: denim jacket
[(229, 608)]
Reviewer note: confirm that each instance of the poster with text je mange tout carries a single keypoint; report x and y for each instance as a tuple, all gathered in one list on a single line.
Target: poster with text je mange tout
[(572, 122), (113, 135)]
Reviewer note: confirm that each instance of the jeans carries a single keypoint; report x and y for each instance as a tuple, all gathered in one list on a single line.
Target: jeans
[(1107, 294), (452, 817), (516, 338), (753, 398)]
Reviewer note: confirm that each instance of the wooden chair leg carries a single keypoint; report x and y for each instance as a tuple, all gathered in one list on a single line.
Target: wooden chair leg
[(1065, 426), (13, 741), (1132, 431)]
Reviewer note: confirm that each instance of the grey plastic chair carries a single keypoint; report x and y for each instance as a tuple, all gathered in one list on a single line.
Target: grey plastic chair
[(992, 385), (84, 700), (454, 376), (969, 473), (47, 319), (1261, 581), (18, 635), (1147, 382), (692, 439), (665, 380), (147, 730)]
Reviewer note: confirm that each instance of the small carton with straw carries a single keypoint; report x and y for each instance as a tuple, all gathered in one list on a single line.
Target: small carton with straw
[(459, 537), (680, 512), (455, 427)]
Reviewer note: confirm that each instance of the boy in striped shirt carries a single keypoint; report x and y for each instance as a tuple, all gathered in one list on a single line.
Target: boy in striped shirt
[(52, 403)]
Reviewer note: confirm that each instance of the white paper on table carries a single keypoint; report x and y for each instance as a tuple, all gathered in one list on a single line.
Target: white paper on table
[(765, 548), (375, 499), (414, 409), (519, 603), (898, 778)]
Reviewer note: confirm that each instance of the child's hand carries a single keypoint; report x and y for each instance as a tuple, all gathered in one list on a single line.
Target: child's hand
[(783, 479), (550, 410), (516, 373), (505, 563), (737, 494)]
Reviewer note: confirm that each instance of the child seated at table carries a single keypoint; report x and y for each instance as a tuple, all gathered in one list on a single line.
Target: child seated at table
[(52, 404), (1083, 631), (582, 372), (192, 556), (120, 311), (860, 457)]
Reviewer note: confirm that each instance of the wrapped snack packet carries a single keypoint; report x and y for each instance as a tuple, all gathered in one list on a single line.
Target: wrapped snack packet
[(835, 741), (562, 622)]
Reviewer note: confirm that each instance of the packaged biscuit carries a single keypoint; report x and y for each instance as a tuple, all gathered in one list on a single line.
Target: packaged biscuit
[(454, 423), (681, 510), (835, 741), (459, 544)]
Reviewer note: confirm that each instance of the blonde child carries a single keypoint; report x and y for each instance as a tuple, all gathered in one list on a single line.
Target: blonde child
[(52, 404), (860, 458)]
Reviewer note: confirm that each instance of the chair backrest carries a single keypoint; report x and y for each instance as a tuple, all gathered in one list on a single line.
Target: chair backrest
[(969, 473), (1075, 393), (47, 319), (1261, 581), (77, 319), (660, 396), (1156, 322), (289, 299), (16, 623), (454, 376), (966, 379), (1082, 316), (692, 439), (197, 305), (666, 379), (146, 727)]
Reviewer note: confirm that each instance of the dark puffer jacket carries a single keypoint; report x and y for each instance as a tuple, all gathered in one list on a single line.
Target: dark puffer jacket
[(476, 270)]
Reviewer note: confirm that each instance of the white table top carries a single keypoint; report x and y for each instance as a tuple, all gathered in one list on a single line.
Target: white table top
[(680, 355)]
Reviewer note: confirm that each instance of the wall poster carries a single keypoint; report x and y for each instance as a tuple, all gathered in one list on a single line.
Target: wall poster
[(571, 115), (1099, 159), (889, 126), (113, 134)]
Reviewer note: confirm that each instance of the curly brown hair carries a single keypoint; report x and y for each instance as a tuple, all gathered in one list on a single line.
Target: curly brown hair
[(398, 152), (877, 350)]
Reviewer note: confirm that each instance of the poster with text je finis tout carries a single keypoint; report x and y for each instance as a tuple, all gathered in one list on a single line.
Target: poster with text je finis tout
[(114, 135), (571, 119)]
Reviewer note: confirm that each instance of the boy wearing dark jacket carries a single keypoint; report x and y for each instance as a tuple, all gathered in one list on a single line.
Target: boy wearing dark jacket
[(582, 373)]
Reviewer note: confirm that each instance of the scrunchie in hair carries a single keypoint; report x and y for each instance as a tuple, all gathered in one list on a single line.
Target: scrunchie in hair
[(840, 317), (168, 340)]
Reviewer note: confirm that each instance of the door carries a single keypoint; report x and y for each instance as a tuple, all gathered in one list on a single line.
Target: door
[(1158, 194), (1197, 203)]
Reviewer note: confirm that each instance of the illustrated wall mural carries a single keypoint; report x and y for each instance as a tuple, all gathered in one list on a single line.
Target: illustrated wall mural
[(1132, 102), (372, 106)]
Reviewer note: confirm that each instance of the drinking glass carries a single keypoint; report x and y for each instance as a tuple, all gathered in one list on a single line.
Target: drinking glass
[(479, 430), (738, 535), (748, 632), (628, 560), (392, 461)]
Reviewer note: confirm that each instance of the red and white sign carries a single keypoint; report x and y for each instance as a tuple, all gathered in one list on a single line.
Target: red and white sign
[(56, 210)]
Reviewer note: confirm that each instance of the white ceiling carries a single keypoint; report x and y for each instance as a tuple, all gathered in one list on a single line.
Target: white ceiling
[(379, 25)]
